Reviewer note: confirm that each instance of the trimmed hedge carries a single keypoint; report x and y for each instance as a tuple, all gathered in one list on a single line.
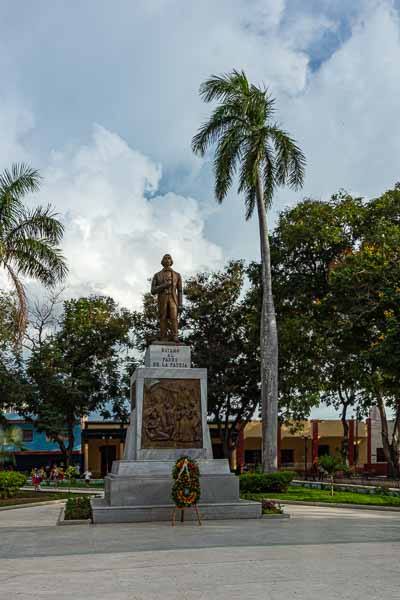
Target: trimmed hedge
[(78, 508), (257, 483), (10, 482)]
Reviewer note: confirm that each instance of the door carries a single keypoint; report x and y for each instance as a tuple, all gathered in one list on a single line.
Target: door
[(108, 454)]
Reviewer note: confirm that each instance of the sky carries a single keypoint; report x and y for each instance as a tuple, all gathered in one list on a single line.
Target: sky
[(102, 97)]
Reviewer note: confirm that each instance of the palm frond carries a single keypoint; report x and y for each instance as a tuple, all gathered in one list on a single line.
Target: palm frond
[(269, 175), (249, 173), (290, 161), (227, 155), (19, 181), (250, 201), (22, 311), (39, 259), (210, 131), (257, 147), (225, 87), (38, 223), (14, 185)]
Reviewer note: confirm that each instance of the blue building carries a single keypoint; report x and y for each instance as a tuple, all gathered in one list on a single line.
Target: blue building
[(38, 450)]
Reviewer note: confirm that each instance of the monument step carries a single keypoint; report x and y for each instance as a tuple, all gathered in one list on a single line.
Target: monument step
[(103, 513), (128, 468)]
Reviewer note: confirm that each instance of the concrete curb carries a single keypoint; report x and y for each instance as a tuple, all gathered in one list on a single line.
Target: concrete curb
[(51, 490), (343, 505), (61, 520), (32, 504)]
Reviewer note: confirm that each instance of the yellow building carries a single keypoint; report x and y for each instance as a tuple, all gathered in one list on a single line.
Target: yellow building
[(299, 445)]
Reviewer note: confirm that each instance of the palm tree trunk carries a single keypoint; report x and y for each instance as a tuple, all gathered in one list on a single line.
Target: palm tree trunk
[(268, 346)]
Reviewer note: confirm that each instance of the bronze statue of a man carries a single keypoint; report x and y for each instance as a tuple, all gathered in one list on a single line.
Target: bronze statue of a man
[(167, 284)]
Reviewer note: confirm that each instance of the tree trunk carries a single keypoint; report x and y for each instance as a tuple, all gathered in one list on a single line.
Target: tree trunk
[(70, 448), (345, 441), (268, 346), (391, 450)]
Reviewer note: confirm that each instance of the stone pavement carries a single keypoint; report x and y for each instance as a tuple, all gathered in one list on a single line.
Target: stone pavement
[(320, 553)]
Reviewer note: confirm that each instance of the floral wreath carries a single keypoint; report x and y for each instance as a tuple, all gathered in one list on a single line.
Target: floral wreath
[(186, 486)]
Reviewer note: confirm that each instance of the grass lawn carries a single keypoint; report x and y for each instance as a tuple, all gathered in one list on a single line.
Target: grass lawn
[(25, 497), (310, 495)]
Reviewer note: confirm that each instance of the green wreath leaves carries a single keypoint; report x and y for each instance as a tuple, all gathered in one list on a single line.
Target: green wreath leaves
[(186, 486)]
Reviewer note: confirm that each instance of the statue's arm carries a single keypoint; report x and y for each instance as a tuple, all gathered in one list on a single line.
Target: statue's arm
[(179, 288), (155, 288)]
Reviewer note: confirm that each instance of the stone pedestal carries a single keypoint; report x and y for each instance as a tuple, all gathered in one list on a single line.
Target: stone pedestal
[(168, 420)]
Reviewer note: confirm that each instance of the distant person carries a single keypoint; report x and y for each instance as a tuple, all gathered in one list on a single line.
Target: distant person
[(55, 475), (36, 479), (88, 476)]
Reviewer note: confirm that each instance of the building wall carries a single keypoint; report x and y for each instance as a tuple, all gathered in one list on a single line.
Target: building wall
[(95, 453), (298, 440), (376, 440), (40, 442), (40, 451)]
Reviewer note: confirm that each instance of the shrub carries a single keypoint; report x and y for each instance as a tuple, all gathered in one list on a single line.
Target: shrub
[(10, 482), (78, 508), (71, 473), (256, 483)]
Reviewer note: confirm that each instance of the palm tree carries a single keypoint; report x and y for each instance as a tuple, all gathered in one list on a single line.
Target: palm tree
[(29, 238), (264, 157)]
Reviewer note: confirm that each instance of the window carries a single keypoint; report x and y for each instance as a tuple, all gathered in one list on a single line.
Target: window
[(252, 457), (287, 456), (27, 435), (380, 455), (323, 450)]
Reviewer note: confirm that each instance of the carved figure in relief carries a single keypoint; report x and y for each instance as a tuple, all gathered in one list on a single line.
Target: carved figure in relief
[(154, 425)]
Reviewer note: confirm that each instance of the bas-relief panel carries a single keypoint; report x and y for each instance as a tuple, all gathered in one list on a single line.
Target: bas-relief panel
[(171, 414)]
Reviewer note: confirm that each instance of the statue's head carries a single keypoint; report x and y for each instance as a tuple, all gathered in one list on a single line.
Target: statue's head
[(167, 261)]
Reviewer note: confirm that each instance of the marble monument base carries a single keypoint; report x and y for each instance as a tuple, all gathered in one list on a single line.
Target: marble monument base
[(141, 491), (168, 420)]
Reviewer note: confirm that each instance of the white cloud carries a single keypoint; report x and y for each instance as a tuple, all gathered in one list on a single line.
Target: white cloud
[(141, 81), (347, 118), (115, 235)]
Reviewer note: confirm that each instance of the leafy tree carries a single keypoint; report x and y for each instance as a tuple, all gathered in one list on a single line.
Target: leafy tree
[(146, 326), (10, 441), (298, 390), (265, 156), (29, 238), (77, 369), (215, 323), (365, 284), (336, 272), (319, 358)]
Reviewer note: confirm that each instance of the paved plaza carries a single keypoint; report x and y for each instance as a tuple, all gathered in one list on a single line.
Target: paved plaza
[(320, 553)]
